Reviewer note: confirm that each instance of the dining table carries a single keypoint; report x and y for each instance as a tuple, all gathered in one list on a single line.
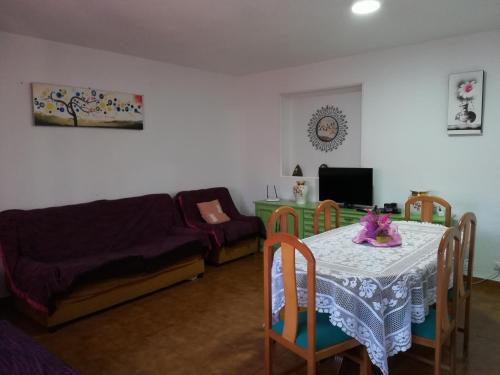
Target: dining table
[(373, 294)]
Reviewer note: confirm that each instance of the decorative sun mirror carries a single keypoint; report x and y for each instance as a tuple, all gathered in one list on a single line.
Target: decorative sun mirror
[(327, 128)]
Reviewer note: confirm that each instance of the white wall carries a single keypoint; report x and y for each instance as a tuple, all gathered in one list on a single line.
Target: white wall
[(404, 116), (189, 138), (204, 129), (297, 110)]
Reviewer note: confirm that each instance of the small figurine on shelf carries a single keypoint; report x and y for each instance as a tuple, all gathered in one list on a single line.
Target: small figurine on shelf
[(297, 171), (378, 230), (416, 207)]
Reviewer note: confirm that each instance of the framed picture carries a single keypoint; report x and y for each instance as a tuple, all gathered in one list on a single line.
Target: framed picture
[(465, 103), (56, 105)]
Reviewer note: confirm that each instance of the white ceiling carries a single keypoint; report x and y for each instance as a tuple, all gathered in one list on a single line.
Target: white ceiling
[(243, 36)]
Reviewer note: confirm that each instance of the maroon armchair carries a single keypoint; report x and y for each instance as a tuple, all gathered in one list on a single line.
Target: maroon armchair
[(229, 240)]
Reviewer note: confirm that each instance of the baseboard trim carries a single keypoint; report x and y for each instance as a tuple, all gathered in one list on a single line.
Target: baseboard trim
[(490, 282)]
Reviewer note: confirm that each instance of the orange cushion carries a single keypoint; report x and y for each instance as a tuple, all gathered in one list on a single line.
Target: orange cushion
[(212, 212)]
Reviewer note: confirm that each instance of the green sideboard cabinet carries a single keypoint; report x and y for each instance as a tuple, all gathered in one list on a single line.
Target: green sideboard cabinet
[(305, 212)]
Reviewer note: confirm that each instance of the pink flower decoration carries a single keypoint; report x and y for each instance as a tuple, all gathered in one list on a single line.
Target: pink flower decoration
[(369, 221), (378, 226)]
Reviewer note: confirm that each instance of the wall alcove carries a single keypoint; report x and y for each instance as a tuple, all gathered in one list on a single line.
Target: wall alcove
[(297, 111)]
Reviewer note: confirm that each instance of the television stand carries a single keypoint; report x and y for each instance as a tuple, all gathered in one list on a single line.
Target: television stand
[(357, 207)]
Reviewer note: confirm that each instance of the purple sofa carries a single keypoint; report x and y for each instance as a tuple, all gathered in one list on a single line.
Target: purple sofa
[(48, 252), (20, 355), (229, 240)]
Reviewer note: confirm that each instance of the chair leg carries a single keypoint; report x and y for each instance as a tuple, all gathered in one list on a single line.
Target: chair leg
[(466, 327), (437, 360), (453, 351), (365, 367), (338, 364), (268, 349), (311, 366)]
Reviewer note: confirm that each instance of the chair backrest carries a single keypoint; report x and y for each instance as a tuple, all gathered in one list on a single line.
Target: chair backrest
[(289, 244), (447, 267), (326, 207), (467, 226), (427, 208), (278, 221)]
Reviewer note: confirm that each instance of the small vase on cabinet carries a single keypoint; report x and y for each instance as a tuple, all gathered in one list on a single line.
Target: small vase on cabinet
[(416, 207), (300, 192)]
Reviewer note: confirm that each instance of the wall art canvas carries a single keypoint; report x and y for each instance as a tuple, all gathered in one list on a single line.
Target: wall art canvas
[(56, 105), (465, 103)]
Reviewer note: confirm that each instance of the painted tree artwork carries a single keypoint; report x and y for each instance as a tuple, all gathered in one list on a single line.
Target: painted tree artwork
[(56, 105)]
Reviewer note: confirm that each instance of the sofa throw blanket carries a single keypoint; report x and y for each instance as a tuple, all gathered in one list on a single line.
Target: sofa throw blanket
[(238, 228), (47, 251), (21, 355)]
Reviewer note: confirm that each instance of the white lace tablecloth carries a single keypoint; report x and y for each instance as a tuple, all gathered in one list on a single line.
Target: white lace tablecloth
[(373, 294)]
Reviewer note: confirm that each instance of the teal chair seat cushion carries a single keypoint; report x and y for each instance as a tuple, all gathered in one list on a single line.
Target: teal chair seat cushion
[(450, 294), (326, 334), (426, 329)]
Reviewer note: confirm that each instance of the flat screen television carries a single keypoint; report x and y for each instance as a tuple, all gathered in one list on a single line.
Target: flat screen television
[(347, 186)]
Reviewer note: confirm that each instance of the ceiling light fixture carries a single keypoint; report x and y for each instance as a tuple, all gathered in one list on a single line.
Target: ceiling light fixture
[(365, 6)]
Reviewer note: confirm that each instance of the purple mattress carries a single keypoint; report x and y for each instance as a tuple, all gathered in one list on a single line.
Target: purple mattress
[(20, 355)]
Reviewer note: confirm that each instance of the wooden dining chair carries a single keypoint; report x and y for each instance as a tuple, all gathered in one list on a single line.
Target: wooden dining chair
[(467, 226), (440, 325), (325, 208), (306, 333), (427, 209), (278, 221)]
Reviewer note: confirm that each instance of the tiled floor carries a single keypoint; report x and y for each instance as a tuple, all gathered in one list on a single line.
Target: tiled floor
[(213, 326)]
